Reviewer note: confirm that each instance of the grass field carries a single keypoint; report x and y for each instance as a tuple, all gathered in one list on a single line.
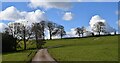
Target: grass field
[(20, 55), (103, 48)]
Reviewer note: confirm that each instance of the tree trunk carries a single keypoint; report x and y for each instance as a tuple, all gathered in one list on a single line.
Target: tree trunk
[(92, 34), (50, 35), (43, 29), (43, 36), (24, 39), (82, 34), (61, 35), (36, 37), (115, 33), (79, 35), (100, 30), (99, 33)]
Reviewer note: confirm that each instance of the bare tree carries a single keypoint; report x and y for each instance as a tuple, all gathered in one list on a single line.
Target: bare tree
[(62, 31), (51, 27), (59, 31), (20, 32), (37, 31), (78, 31), (43, 26), (99, 27), (83, 30)]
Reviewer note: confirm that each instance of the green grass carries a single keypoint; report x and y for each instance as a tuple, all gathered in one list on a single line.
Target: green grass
[(17, 56), (21, 55), (31, 44), (80, 49), (84, 49)]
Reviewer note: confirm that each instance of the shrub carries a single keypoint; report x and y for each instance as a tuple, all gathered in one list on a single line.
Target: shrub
[(8, 43)]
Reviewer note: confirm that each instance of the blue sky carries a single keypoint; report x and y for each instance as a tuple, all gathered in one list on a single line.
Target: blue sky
[(82, 13)]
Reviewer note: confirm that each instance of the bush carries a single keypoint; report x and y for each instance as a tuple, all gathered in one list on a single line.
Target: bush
[(8, 43)]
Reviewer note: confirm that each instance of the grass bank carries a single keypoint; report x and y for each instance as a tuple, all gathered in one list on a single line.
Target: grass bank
[(20, 56), (103, 48)]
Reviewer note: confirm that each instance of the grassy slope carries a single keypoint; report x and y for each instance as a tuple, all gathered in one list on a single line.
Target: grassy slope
[(17, 56), (85, 49), (24, 55)]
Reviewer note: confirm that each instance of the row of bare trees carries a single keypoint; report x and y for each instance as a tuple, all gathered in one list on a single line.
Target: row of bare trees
[(36, 30), (98, 27)]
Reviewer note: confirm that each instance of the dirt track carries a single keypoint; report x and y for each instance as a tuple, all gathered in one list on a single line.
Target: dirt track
[(42, 56)]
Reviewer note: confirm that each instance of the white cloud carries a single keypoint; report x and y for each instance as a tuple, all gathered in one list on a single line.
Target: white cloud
[(10, 13), (88, 28), (96, 19), (71, 33), (2, 27), (64, 5), (47, 35), (68, 16), (36, 16), (13, 14), (47, 4)]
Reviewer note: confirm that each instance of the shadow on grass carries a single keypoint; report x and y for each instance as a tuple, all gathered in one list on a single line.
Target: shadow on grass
[(18, 51), (93, 41), (60, 46)]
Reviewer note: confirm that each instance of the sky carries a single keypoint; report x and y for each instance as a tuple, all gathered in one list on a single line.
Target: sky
[(69, 14)]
